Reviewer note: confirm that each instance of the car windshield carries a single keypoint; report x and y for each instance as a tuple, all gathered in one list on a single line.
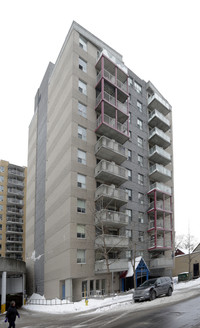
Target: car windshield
[(148, 283)]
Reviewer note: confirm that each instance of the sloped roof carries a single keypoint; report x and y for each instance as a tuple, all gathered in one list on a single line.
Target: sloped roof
[(138, 260)]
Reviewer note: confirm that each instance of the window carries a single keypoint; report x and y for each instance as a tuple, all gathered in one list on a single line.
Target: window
[(82, 133), (129, 119), (129, 175), (128, 233), (82, 43), (140, 253), (140, 160), (141, 236), (82, 86), (141, 198), (139, 124), (80, 231), (128, 254), (129, 98), (1, 168), (1, 178), (1, 188), (130, 134), (1, 198), (140, 179), (81, 256), (1, 217), (82, 64), (0, 226), (129, 212), (140, 142), (1, 207), (81, 157), (137, 87), (130, 81), (141, 217), (0, 237), (82, 110), (129, 191), (129, 155), (81, 181), (81, 205), (139, 105)]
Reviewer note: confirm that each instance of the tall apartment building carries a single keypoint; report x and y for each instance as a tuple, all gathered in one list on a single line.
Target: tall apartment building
[(100, 173), (12, 210)]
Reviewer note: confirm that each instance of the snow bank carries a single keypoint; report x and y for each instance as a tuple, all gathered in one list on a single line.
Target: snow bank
[(182, 291)]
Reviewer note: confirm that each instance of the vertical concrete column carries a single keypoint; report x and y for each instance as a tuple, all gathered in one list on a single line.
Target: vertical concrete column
[(68, 289), (3, 292), (24, 289)]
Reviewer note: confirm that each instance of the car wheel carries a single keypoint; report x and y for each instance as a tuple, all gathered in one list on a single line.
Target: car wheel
[(169, 293), (152, 295), (136, 301)]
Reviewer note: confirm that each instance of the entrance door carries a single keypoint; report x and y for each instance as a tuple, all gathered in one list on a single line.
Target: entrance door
[(84, 288), (196, 269)]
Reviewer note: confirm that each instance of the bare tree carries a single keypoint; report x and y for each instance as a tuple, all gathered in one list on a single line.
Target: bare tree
[(104, 217), (187, 243)]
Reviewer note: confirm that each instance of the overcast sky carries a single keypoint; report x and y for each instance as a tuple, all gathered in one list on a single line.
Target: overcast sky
[(159, 41)]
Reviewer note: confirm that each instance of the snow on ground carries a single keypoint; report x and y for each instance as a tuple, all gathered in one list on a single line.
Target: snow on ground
[(182, 291)]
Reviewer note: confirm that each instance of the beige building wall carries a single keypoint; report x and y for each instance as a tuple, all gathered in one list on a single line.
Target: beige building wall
[(30, 211), (185, 263), (61, 241)]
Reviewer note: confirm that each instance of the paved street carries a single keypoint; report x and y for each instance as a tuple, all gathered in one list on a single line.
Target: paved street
[(185, 314)]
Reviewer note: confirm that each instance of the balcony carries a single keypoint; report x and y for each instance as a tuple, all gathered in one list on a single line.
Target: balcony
[(160, 189), (111, 150), (160, 224), (11, 219), (112, 241), (110, 79), (160, 173), (159, 155), (16, 172), (114, 265), (109, 172), (111, 195), (112, 129), (14, 229), (160, 138), (111, 218), (110, 106), (162, 262), (160, 205), (14, 239), (156, 119), (159, 103), (160, 244), (15, 201), (13, 249), (15, 182), (15, 191), (15, 210), (113, 70)]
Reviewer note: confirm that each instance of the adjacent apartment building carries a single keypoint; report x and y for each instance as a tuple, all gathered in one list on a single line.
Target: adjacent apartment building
[(12, 210), (100, 173)]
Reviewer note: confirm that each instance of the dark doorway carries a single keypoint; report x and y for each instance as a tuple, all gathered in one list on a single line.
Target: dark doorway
[(195, 270)]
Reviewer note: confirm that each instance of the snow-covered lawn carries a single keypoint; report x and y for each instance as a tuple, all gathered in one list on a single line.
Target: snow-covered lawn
[(181, 291)]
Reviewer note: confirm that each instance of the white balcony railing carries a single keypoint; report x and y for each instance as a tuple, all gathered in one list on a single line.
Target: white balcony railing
[(111, 168), (161, 169), (161, 187), (112, 145), (123, 128), (111, 217), (110, 99)]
